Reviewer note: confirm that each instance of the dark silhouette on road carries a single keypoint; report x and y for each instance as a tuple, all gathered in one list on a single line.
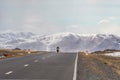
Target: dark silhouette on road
[(58, 49)]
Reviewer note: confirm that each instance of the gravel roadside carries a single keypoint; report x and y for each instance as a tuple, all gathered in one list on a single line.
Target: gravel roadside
[(95, 67)]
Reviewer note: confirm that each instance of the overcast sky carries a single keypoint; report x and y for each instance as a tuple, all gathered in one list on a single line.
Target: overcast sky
[(53, 16)]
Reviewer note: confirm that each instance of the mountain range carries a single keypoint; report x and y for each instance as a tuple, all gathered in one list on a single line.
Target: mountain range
[(68, 42)]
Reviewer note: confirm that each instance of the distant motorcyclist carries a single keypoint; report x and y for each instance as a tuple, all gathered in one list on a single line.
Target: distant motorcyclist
[(57, 49)]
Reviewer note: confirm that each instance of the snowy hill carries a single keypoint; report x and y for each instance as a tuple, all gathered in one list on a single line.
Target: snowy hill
[(66, 41), (10, 40)]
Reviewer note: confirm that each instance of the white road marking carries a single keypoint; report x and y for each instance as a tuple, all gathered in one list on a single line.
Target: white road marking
[(36, 61), (9, 72), (75, 68), (26, 65)]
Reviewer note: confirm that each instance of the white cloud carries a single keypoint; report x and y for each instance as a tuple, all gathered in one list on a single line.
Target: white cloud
[(112, 18), (107, 20), (104, 26), (73, 28), (108, 26), (33, 19), (37, 24), (111, 29), (30, 23), (80, 29), (104, 21), (91, 1), (41, 28)]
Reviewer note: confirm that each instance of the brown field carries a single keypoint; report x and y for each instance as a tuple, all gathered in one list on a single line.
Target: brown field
[(98, 67), (11, 53)]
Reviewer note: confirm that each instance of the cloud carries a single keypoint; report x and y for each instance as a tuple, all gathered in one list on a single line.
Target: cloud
[(111, 29), (50, 16), (79, 29), (41, 28), (37, 24), (108, 26), (104, 21), (33, 19), (73, 28), (107, 20), (104, 26), (91, 1), (29, 23), (112, 18)]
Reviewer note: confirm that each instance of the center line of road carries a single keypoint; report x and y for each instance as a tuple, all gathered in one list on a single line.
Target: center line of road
[(36, 61), (26, 65), (9, 72)]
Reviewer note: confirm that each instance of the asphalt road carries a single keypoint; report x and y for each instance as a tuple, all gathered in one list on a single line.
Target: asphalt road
[(46, 66)]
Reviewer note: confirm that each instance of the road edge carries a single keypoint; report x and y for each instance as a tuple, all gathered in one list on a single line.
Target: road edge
[(75, 68)]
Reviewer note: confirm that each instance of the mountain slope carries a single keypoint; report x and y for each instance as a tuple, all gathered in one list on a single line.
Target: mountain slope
[(66, 41)]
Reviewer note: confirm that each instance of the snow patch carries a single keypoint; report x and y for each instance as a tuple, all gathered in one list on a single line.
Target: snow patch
[(115, 54)]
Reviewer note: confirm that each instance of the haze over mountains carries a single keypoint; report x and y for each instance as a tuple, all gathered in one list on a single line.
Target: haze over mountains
[(68, 42)]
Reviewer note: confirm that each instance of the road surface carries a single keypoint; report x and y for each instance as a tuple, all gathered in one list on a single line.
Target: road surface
[(46, 66)]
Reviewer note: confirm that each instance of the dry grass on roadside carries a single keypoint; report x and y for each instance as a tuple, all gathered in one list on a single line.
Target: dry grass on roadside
[(114, 62), (11, 53), (98, 67)]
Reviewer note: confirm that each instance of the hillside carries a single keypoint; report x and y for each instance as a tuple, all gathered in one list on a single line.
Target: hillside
[(66, 41)]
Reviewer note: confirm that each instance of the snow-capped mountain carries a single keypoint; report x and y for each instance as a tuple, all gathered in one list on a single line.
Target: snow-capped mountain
[(66, 41), (10, 40)]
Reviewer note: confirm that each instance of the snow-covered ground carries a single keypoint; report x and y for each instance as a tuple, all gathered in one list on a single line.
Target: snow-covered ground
[(115, 54), (67, 41)]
